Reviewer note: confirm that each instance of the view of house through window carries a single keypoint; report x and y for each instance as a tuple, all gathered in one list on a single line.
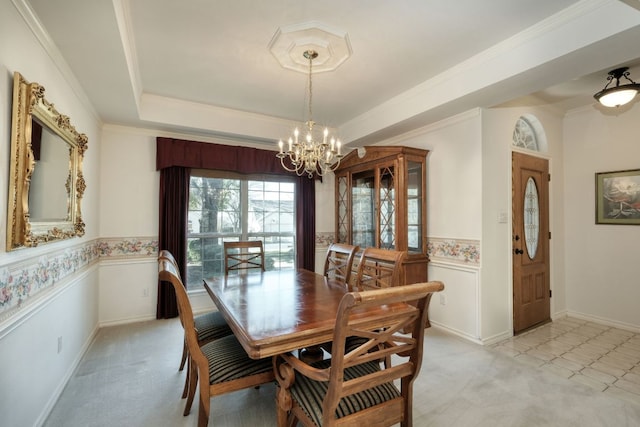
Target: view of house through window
[(224, 207)]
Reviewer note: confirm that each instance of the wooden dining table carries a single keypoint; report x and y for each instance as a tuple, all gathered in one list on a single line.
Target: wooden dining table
[(274, 312)]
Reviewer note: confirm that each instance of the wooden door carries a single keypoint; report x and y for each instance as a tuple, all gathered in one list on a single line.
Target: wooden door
[(531, 291)]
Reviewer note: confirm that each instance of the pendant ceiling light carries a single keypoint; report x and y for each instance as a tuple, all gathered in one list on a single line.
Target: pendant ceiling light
[(617, 95), (313, 152)]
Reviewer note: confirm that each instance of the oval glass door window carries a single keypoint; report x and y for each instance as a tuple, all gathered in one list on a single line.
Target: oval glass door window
[(531, 218)]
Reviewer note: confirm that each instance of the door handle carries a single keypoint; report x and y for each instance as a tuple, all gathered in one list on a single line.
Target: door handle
[(518, 251)]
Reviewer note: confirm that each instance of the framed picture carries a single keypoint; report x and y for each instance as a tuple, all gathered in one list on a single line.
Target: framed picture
[(618, 197)]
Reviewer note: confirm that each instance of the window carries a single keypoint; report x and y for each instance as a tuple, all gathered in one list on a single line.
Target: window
[(524, 136), (227, 207), (529, 134)]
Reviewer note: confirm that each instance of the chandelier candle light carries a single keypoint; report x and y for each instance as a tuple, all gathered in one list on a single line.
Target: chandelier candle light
[(311, 154)]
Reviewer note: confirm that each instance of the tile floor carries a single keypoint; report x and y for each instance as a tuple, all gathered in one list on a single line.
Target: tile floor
[(601, 357)]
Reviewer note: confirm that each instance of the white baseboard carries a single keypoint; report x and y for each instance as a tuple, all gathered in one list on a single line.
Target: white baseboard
[(497, 338), (604, 321), (456, 332), (127, 320)]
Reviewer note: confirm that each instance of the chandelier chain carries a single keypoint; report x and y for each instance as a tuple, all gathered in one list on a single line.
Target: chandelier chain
[(310, 86)]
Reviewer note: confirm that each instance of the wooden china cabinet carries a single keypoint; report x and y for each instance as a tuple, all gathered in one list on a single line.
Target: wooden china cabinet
[(381, 202)]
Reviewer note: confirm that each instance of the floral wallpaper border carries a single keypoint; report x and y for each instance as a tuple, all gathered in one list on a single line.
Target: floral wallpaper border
[(128, 247), (457, 251), (325, 238), (25, 279)]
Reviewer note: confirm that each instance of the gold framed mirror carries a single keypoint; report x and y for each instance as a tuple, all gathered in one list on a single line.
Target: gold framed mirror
[(46, 184)]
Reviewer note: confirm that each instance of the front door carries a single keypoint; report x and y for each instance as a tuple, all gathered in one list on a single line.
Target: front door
[(531, 291)]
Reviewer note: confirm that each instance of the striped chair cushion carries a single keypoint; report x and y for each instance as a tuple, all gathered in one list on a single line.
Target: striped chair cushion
[(211, 326), (228, 361), (309, 394)]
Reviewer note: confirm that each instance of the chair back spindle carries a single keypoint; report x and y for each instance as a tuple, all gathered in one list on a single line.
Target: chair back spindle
[(379, 268), (241, 257), (339, 262)]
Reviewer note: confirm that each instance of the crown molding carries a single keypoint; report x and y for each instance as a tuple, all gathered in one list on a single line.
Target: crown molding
[(43, 37)]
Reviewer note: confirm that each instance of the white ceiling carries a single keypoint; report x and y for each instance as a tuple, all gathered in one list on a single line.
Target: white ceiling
[(204, 67)]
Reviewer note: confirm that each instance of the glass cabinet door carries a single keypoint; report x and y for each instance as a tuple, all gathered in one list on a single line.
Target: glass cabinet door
[(414, 207), (342, 217), (387, 214), (362, 209)]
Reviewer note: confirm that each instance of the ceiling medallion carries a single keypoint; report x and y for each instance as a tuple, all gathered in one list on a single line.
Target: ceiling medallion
[(290, 42)]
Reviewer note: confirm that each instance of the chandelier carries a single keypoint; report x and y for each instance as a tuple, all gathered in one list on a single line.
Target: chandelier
[(313, 153)]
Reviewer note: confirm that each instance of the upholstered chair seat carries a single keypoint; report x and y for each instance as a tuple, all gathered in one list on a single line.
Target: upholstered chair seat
[(211, 326), (228, 361), (310, 393)]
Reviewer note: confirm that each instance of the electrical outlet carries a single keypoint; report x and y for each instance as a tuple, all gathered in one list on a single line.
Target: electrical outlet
[(59, 345), (443, 299), (145, 292)]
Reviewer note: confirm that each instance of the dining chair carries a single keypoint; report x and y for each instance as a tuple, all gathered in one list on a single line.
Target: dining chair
[(209, 326), (379, 268), (245, 255), (338, 262), (338, 265), (355, 387), (221, 366)]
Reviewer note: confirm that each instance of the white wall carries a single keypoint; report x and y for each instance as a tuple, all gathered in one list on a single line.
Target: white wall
[(34, 371), (497, 291), (129, 183), (129, 186), (325, 205), (454, 197), (325, 218), (602, 260)]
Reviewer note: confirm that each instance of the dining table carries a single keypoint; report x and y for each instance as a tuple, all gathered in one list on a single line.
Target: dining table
[(278, 311)]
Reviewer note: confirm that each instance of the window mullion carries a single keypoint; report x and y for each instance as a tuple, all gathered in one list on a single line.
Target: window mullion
[(244, 206)]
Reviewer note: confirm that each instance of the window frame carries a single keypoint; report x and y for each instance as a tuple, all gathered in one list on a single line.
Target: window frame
[(245, 234)]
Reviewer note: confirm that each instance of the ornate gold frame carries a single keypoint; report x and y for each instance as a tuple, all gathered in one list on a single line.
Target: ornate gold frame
[(29, 103)]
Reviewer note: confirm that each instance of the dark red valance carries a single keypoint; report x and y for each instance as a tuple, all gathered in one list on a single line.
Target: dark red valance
[(202, 155)]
